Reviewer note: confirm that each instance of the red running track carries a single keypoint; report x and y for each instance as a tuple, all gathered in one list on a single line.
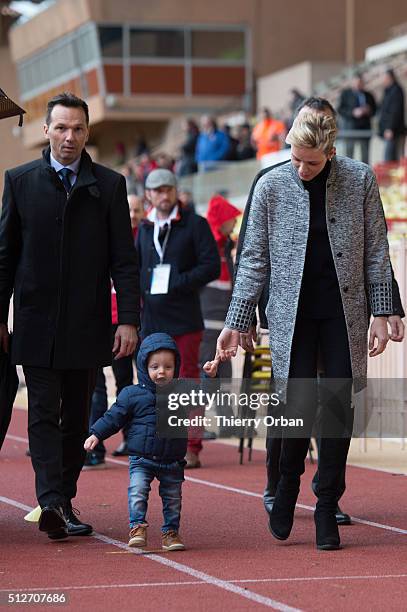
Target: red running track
[(231, 561)]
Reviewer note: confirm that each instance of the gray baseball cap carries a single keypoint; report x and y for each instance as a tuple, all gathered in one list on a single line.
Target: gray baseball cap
[(160, 177)]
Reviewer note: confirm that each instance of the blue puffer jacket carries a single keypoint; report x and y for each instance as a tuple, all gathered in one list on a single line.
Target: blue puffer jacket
[(137, 405)]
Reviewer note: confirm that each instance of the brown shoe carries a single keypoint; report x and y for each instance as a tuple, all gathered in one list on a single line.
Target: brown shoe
[(172, 541), (138, 536), (192, 461)]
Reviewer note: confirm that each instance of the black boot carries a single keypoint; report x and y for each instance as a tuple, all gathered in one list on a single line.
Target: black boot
[(342, 518), (282, 512), (268, 499), (327, 532), (273, 446), (293, 453)]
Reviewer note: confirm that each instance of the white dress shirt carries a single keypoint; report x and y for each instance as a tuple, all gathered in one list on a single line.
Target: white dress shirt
[(74, 166)]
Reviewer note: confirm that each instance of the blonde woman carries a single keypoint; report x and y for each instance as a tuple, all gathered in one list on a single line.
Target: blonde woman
[(316, 228)]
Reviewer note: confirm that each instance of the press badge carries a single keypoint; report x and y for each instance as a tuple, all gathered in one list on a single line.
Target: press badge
[(160, 279)]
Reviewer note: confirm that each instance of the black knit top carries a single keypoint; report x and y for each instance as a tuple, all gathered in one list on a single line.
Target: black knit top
[(320, 297)]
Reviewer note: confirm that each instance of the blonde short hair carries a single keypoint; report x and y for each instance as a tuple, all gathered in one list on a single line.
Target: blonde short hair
[(313, 131)]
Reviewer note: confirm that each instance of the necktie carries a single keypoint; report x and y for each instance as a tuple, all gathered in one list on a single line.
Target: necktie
[(65, 173), (162, 233)]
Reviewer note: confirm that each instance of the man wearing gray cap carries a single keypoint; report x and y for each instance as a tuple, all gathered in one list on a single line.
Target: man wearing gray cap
[(178, 256)]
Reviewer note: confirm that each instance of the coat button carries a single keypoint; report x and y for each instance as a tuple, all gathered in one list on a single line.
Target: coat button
[(333, 220), (345, 289), (339, 254), (58, 220)]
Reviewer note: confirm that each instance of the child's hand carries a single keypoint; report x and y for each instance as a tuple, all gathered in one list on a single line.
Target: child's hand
[(91, 442), (211, 367)]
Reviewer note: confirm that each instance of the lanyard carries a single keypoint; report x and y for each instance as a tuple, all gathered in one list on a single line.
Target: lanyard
[(158, 247)]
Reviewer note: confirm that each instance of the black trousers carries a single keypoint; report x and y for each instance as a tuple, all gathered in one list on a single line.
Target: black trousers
[(58, 416), (364, 148), (327, 338), (123, 374)]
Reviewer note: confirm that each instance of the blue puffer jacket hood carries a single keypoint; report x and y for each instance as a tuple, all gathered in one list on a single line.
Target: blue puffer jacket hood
[(153, 343), (137, 408)]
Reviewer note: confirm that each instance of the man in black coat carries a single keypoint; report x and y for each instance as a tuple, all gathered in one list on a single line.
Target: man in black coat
[(356, 107), (392, 127), (64, 231), (178, 256)]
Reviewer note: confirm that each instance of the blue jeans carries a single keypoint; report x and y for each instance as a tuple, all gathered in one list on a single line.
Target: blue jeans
[(170, 475)]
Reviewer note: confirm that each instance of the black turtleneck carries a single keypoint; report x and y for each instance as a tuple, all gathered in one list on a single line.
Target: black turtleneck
[(320, 296)]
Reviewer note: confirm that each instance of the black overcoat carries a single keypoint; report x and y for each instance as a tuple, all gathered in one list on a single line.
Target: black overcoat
[(57, 254), (193, 255)]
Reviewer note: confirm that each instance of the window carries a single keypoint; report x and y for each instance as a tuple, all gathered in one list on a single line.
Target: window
[(111, 41), (156, 43), (227, 45)]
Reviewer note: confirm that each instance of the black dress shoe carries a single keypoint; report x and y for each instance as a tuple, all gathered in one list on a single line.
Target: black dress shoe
[(122, 450), (75, 527), (327, 532), (282, 513), (342, 518), (53, 522)]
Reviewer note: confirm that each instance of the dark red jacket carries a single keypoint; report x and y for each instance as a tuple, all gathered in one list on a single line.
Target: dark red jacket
[(220, 211)]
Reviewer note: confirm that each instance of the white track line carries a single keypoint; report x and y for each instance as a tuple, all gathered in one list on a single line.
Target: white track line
[(216, 485), (17, 438), (132, 585), (181, 567)]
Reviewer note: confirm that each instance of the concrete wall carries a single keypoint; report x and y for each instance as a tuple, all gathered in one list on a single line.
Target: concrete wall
[(273, 90)]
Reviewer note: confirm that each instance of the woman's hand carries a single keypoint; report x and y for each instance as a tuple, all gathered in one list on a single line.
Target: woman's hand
[(91, 442), (397, 328), (227, 343), (379, 332), (248, 340)]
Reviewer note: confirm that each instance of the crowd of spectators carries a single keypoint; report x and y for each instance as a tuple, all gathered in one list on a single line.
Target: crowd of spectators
[(208, 143), (204, 145)]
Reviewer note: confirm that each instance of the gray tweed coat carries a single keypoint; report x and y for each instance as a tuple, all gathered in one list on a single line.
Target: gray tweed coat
[(275, 243)]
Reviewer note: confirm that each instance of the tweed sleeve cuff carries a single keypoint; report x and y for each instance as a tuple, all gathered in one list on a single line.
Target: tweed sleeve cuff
[(381, 299), (240, 314)]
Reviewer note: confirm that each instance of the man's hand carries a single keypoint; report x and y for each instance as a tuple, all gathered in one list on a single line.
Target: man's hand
[(379, 332), (227, 343), (397, 328), (4, 337), (125, 341), (248, 340), (388, 134), (91, 442)]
